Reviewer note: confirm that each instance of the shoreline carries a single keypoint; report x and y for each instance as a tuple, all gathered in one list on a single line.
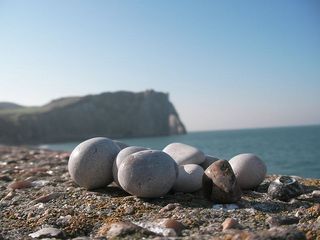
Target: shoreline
[(49, 198)]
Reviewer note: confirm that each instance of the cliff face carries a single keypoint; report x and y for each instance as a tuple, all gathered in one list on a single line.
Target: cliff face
[(115, 115)]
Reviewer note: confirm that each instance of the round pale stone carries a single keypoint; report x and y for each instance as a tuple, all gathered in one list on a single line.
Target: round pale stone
[(208, 161), (249, 169), (184, 154), (121, 156), (189, 178), (148, 173), (90, 163)]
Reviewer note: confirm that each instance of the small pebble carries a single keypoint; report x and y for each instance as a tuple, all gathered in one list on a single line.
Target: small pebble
[(184, 154), (285, 188), (281, 220), (169, 207), (316, 194), (249, 169), (5, 178), (225, 207), (219, 183), (173, 224), (47, 232), (47, 198), (20, 184), (231, 223), (189, 178), (121, 229)]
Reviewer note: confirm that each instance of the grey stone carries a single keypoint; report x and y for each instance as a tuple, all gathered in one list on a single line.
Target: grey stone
[(316, 194), (282, 220), (249, 169), (121, 156), (281, 233), (90, 163), (220, 184), (47, 232), (208, 161), (189, 178), (148, 173), (184, 154), (122, 228)]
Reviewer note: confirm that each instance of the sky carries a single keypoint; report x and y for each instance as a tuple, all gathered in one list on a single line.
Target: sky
[(225, 64)]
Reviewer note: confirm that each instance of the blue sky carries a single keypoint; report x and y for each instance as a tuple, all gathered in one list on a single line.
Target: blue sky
[(226, 64)]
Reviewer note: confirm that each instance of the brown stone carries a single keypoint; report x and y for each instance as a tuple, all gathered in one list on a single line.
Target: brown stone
[(231, 223), (173, 224), (121, 229), (20, 184), (219, 183)]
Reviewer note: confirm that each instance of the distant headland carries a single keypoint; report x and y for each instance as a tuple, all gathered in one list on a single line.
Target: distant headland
[(112, 114)]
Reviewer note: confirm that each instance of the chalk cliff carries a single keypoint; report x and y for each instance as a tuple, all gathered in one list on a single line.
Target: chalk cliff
[(111, 114)]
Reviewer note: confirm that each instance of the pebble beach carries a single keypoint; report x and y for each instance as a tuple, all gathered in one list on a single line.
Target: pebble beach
[(38, 199)]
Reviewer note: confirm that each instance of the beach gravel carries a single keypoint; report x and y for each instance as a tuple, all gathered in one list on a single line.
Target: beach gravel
[(66, 211)]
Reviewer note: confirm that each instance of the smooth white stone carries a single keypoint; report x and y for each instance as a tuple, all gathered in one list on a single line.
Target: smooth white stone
[(90, 163), (208, 161), (148, 173), (249, 169), (121, 156), (189, 178), (184, 154)]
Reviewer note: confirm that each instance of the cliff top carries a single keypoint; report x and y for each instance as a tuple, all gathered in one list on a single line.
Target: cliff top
[(9, 108)]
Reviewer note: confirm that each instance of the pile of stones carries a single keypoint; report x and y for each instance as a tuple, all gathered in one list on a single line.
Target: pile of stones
[(179, 167)]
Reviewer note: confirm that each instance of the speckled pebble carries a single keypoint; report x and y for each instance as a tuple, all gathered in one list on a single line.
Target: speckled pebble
[(148, 173), (121, 156)]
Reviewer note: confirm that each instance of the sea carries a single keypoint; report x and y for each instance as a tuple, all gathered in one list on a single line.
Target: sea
[(285, 150)]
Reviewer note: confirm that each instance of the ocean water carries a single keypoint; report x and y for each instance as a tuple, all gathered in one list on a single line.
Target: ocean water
[(285, 150)]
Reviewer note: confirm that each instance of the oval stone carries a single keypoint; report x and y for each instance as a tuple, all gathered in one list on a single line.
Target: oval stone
[(189, 178), (148, 173), (90, 163), (121, 156), (249, 169), (184, 154)]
